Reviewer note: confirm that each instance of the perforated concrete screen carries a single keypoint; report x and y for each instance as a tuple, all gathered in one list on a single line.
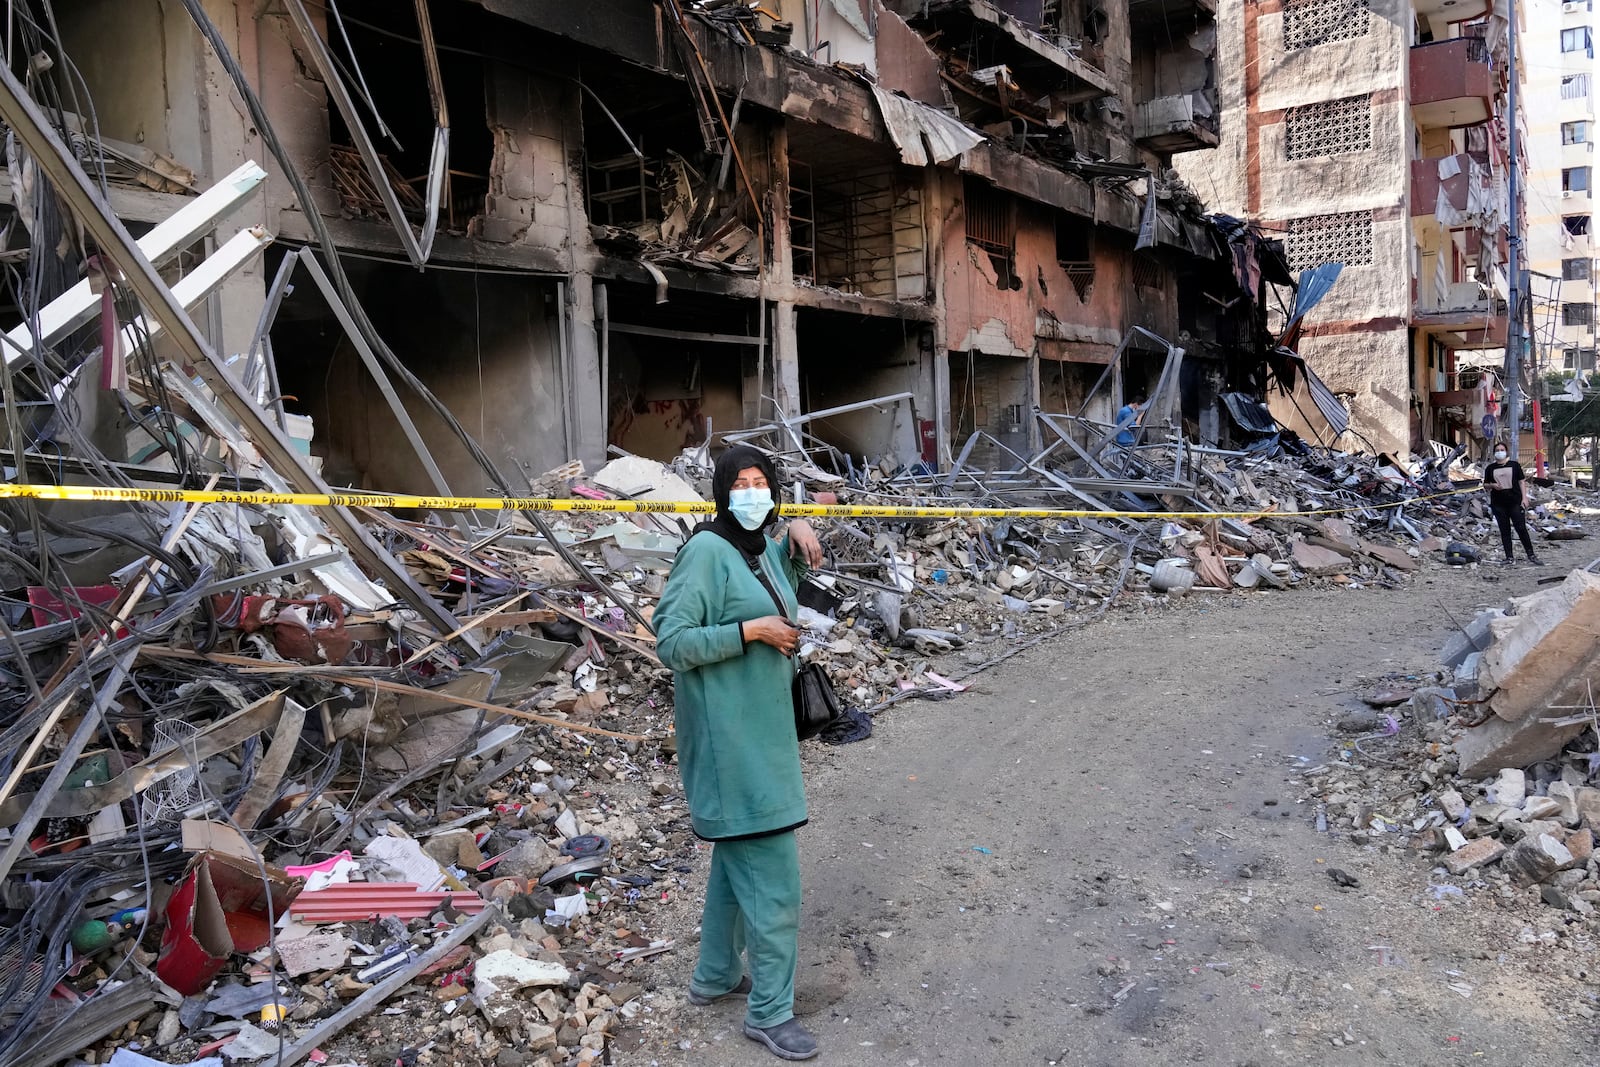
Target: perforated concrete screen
[(1343, 238), (1308, 23), (1329, 128)]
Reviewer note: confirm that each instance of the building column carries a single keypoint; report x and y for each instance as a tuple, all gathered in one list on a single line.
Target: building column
[(778, 282)]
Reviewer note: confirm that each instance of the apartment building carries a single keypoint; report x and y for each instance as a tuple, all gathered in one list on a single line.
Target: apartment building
[(1374, 133), (1560, 66), (637, 223)]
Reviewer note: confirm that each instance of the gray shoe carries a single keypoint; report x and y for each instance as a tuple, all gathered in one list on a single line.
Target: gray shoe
[(1536, 561), (700, 1000), (788, 1041)]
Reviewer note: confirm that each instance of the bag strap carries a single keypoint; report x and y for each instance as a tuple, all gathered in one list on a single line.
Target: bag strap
[(756, 569)]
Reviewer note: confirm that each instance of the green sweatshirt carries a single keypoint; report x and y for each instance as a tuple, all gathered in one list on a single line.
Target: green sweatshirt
[(734, 713)]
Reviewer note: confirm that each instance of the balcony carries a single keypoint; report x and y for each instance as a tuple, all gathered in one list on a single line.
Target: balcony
[(1183, 123), (1451, 84), (1465, 317)]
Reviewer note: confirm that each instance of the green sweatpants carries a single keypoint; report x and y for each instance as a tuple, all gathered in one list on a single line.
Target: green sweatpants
[(752, 903)]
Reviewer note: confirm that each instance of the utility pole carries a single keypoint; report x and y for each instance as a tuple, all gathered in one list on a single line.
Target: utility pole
[(1513, 366)]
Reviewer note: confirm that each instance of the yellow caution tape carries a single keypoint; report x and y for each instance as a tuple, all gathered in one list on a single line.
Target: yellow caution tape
[(100, 494)]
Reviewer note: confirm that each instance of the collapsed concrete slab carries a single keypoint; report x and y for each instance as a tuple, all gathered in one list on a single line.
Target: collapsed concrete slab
[(1550, 647), (1542, 657)]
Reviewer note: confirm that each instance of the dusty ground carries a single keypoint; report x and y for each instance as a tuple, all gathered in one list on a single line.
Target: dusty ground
[(1099, 857)]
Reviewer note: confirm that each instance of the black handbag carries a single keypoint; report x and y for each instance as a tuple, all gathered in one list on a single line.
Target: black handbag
[(816, 705)]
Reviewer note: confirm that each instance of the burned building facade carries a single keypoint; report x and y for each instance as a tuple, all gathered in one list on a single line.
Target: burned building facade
[(637, 224)]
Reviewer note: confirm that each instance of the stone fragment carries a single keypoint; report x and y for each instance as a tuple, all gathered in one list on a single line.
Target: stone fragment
[(1581, 844), (1587, 800), (529, 859), (1511, 787), (1317, 561), (1567, 797), (1541, 808), (499, 975), (1535, 858), (1453, 804), (1479, 852), (539, 1038)]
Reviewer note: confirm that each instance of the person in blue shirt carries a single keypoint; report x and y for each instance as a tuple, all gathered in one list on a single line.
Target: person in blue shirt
[(1128, 418)]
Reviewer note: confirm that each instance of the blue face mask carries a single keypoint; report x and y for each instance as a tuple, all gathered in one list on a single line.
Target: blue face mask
[(750, 506)]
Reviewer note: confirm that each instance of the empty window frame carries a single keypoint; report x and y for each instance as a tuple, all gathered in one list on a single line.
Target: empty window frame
[(1147, 272), (1308, 23), (1577, 314), (992, 227), (1575, 270), (1577, 225), (1575, 132), (1329, 128), (1343, 238), (1075, 252)]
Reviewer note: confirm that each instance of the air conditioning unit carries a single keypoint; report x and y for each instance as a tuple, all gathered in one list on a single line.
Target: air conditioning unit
[(1572, 5), (1566, 194)]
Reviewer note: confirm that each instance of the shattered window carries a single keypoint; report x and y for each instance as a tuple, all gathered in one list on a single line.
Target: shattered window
[(1343, 238), (1577, 225), (1574, 270), (1577, 314), (1329, 128), (1308, 23)]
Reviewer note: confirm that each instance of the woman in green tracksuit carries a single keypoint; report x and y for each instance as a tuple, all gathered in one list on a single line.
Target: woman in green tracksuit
[(721, 629)]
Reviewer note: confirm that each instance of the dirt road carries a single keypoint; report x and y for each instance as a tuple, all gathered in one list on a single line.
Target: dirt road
[(1099, 856)]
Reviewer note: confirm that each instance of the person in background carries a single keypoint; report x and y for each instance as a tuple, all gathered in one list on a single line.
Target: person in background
[(1128, 418), (1508, 501), (721, 629)]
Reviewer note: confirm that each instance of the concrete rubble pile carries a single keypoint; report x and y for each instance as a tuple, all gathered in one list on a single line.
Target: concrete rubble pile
[(300, 809), (1491, 767)]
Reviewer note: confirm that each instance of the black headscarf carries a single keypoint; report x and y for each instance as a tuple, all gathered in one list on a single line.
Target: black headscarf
[(740, 457)]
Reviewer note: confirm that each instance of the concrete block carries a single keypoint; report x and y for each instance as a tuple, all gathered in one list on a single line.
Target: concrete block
[(1497, 743), (1476, 639), (1536, 857), (1545, 653), (1477, 853)]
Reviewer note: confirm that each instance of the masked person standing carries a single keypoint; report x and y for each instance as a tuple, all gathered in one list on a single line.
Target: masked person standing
[(725, 628), (1508, 500)]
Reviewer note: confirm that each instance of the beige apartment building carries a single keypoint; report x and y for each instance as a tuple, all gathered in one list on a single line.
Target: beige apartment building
[(1559, 61), (1373, 133)]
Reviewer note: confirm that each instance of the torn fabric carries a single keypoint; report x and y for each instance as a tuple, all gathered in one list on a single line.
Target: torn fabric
[(924, 135)]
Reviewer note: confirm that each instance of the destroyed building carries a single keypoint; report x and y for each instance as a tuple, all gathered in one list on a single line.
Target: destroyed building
[(1374, 133), (645, 222)]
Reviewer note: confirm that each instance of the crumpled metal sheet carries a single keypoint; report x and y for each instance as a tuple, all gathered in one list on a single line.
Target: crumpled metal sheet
[(924, 135)]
